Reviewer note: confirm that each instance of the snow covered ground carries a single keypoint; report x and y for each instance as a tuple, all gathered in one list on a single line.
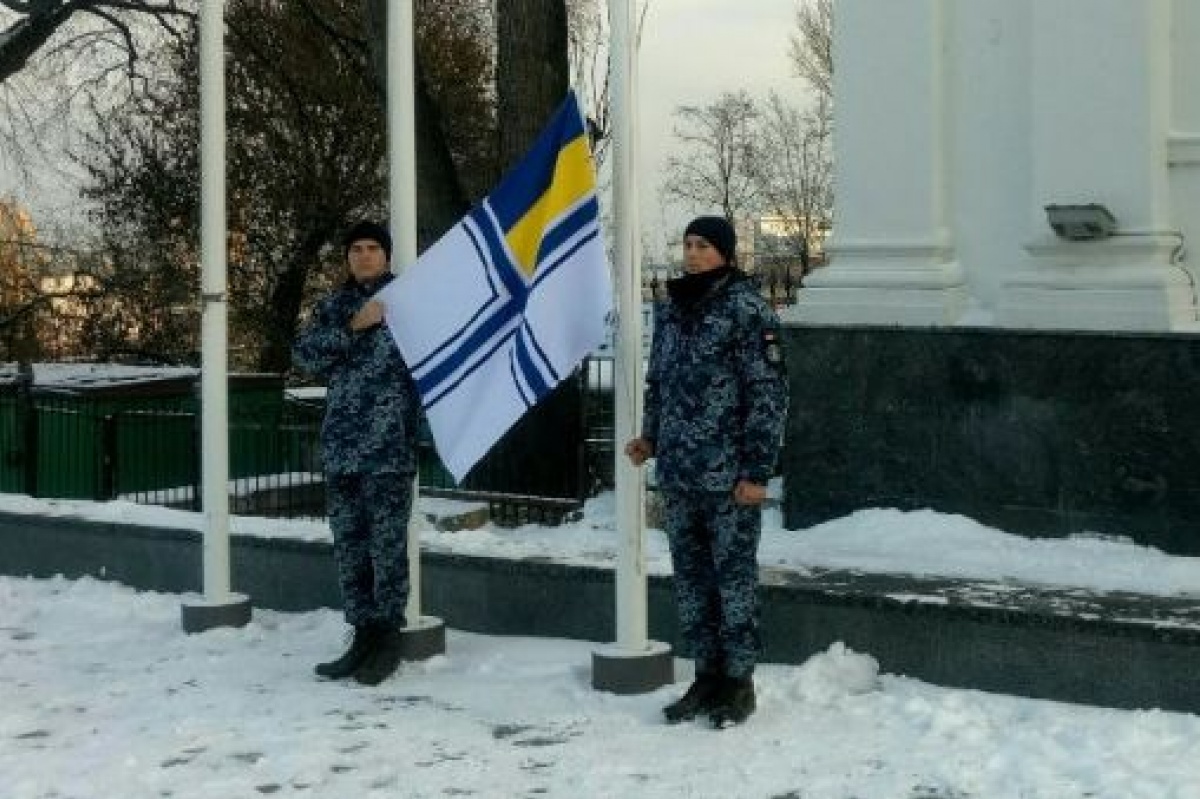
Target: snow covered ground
[(103, 697)]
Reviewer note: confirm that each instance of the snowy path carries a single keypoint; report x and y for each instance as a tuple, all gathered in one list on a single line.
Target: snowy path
[(104, 698)]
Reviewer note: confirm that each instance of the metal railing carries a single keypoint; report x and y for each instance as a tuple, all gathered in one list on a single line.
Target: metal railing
[(75, 447)]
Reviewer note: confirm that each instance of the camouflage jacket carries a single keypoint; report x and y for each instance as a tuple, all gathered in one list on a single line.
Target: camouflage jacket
[(716, 396), (372, 410)]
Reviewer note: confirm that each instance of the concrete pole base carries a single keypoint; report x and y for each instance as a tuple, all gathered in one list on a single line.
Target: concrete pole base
[(623, 671), (201, 616), (425, 639)]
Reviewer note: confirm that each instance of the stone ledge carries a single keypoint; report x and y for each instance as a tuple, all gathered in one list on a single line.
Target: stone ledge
[(1119, 650)]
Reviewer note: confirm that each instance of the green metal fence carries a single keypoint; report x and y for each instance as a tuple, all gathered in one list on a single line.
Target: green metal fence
[(146, 447)]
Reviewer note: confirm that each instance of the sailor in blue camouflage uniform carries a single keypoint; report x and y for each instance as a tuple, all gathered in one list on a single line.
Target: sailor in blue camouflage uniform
[(716, 399), (368, 445)]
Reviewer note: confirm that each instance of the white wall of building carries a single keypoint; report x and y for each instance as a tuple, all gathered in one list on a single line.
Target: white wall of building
[(957, 122), (1183, 145)]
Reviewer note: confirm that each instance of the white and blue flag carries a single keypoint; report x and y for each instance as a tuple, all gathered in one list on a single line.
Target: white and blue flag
[(506, 304)]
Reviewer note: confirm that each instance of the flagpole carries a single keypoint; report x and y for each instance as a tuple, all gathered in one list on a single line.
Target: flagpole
[(634, 664), (219, 607), (424, 636)]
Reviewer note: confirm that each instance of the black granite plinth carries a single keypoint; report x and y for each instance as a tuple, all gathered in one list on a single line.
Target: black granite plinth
[(1038, 433), (425, 639), (201, 616), (621, 671)]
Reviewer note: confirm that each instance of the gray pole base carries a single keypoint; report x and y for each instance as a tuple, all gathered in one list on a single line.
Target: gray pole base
[(622, 671), (200, 616), (425, 639)]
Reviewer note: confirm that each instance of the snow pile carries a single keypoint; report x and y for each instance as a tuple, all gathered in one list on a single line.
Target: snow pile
[(828, 678)]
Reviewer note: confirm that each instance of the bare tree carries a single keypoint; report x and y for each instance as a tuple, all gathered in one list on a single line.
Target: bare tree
[(811, 46), (795, 163), (589, 69), (31, 24), (715, 168), (96, 42), (793, 168), (142, 162), (306, 149), (57, 55), (591, 66)]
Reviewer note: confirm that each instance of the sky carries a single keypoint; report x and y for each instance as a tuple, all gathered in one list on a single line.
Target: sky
[(104, 696), (692, 51)]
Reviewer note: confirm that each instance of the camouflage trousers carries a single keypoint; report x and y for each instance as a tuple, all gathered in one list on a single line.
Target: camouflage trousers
[(714, 552), (368, 514)]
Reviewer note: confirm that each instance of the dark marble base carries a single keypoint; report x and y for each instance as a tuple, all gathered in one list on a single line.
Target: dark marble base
[(199, 617), (425, 639), (622, 672), (1119, 650), (1038, 433)]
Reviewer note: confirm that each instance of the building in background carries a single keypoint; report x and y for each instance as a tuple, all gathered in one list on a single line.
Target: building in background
[(773, 244), (20, 261)]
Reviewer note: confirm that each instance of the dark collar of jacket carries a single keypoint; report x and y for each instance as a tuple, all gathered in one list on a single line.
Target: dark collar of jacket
[(367, 287), (689, 291)]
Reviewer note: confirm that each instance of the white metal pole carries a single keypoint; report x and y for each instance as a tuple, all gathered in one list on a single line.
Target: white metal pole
[(214, 368), (631, 560), (402, 157)]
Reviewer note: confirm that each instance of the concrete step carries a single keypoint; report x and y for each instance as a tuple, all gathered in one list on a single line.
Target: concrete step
[(1113, 649)]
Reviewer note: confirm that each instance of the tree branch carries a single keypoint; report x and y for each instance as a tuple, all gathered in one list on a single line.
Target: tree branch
[(40, 19), (19, 41)]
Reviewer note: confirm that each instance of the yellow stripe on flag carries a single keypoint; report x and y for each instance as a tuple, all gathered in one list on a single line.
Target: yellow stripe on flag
[(573, 180)]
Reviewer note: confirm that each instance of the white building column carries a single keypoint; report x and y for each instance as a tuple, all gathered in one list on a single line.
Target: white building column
[(892, 254), (1184, 142), (1100, 98), (1183, 153)]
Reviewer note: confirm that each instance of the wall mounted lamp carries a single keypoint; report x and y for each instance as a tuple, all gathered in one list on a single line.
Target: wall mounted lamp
[(1081, 222)]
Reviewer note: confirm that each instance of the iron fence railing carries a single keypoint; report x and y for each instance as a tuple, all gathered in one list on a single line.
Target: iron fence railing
[(64, 445)]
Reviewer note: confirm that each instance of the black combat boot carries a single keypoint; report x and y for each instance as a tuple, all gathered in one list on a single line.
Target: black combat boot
[(361, 645), (697, 699), (384, 658), (733, 703)]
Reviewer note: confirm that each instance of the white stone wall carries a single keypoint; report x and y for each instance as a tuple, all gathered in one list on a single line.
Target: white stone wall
[(1183, 143), (957, 122)]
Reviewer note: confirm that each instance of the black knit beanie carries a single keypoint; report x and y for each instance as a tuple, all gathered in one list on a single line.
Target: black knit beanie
[(717, 231), (368, 230)]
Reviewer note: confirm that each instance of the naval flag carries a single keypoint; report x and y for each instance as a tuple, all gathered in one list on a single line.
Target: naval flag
[(506, 304)]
